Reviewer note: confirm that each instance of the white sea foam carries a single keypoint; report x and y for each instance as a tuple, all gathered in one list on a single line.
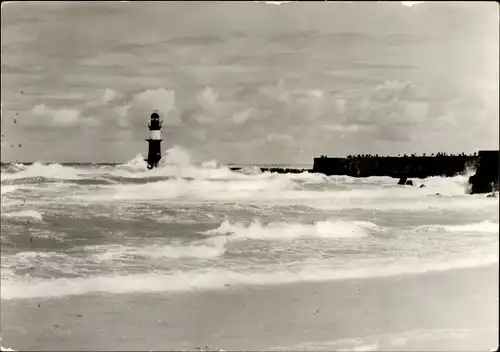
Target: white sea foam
[(190, 189), (23, 214), (134, 165), (210, 181), (8, 189), (216, 278), (106, 253), (203, 187), (59, 263), (287, 231), (55, 171), (481, 227), (400, 340), (431, 203), (286, 189), (178, 164)]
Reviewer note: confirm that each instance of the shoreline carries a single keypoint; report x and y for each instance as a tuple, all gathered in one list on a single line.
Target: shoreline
[(264, 317)]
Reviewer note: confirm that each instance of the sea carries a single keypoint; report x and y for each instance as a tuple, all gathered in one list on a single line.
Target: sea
[(194, 256)]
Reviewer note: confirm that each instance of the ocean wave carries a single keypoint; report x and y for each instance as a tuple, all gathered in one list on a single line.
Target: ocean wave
[(427, 203), (287, 231), (400, 340), (482, 227), (190, 189), (44, 262), (51, 171), (274, 188), (14, 167), (107, 253), (179, 176), (4, 189), (100, 257), (5, 348), (217, 278), (23, 214), (177, 162)]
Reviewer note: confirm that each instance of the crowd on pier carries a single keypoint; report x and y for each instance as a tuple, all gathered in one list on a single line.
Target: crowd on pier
[(414, 155)]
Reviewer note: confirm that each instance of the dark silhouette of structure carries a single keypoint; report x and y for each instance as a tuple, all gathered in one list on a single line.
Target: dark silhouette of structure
[(404, 167), (154, 141), (486, 178)]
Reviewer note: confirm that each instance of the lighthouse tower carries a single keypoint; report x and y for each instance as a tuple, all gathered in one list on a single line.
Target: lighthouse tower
[(154, 141)]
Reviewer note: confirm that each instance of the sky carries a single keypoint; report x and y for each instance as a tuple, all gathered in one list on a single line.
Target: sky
[(248, 82)]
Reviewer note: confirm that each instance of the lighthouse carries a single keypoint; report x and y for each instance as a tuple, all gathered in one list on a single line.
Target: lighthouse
[(154, 141)]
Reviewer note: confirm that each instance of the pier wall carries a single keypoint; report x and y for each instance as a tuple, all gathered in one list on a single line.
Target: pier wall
[(397, 167), (486, 178)]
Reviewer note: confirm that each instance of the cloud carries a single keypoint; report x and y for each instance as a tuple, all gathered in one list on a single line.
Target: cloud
[(340, 105), (156, 99), (120, 114), (136, 111), (346, 128), (241, 117), (44, 115), (204, 119), (207, 99), (417, 112), (279, 138), (108, 96), (284, 118), (132, 113), (200, 134), (390, 105), (207, 109), (278, 93)]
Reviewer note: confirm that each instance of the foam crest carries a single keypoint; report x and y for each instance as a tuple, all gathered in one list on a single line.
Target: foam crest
[(431, 203), (216, 278), (195, 189), (480, 227), (14, 167), (177, 162), (52, 262), (287, 231), (283, 190), (456, 185), (107, 253), (23, 214), (30, 257), (8, 189), (55, 171), (250, 170), (136, 164)]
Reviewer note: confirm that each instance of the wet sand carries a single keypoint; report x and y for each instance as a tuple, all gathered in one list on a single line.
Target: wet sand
[(451, 310)]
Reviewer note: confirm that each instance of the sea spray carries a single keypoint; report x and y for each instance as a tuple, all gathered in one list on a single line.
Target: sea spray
[(287, 231)]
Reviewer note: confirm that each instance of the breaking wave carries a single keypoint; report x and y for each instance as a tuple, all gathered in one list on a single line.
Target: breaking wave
[(178, 163), (50, 171), (287, 231), (181, 177), (5, 348), (105, 253), (482, 227), (8, 189), (217, 278), (30, 214)]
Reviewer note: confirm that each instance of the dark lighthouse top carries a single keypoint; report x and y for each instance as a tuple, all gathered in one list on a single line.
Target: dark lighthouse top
[(155, 123)]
